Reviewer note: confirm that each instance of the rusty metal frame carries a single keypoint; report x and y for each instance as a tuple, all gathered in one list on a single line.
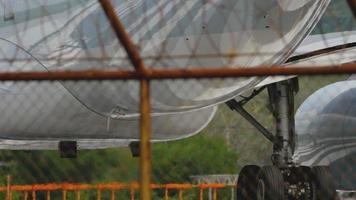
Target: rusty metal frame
[(145, 138), (113, 187), (145, 114), (188, 73), (144, 75)]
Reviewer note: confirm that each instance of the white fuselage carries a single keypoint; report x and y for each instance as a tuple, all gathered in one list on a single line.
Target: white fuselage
[(41, 35)]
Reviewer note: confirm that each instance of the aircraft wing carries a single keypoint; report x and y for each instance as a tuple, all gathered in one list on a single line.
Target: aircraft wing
[(319, 50)]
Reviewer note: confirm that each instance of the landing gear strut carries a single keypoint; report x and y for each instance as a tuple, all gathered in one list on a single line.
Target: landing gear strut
[(284, 180)]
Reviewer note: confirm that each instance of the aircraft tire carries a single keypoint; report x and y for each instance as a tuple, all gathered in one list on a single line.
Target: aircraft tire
[(324, 186), (270, 184), (247, 182)]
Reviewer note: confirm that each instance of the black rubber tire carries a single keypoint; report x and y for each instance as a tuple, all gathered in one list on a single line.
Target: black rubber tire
[(301, 173), (247, 182), (324, 186), (270, 184)]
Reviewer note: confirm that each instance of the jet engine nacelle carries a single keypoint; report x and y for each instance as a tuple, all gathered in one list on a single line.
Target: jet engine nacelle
[(177, 34), (326, 131)]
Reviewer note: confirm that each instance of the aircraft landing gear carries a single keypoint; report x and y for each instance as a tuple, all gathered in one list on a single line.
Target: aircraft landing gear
[(270, 184), (292, 183), (248, 180), (284, 180)]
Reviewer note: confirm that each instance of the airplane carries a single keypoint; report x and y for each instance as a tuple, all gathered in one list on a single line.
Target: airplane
[(48, 35), (324, 129)]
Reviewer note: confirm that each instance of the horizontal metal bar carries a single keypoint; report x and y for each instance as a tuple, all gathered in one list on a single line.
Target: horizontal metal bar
[(69, 75), (196, 73), (116, 186), (223, 72)]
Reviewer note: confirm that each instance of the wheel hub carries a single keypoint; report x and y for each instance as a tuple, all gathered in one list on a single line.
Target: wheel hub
[(297, 184), (300, 191)]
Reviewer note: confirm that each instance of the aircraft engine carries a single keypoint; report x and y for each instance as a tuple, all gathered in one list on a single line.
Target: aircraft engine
[(176, 34), (326, 131)]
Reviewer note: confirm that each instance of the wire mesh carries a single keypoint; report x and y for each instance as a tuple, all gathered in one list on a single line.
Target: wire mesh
[(66, 35), (76, 115)]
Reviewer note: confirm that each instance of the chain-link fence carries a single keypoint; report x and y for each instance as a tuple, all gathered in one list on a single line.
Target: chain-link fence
[(263, 89)]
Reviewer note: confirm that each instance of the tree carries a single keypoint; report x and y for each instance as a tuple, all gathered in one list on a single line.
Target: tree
[(202, 154)]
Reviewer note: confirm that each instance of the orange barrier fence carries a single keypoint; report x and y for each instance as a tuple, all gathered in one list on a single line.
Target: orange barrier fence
[(30, 192)]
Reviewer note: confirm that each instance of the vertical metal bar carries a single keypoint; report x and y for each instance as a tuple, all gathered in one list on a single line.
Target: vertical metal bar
[(112, 196), (201, 194), (122, 35), (78, 194), (132, 194), (145, 144), (214, 194), (34, 195), (285, 131), (145, 132), (232, 193), (64, 195), (180, 195), (166, 194), (98, 195), (8, 187), (25, 195), (48, 195)]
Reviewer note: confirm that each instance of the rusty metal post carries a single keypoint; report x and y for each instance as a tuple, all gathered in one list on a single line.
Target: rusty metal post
[(145, 132), (201, 194), (34, 195), (145, 144), (180, 194), (8, 188), (98, 195), (64, 195), (48, 195), (214, 194), (78, 195), (352, 4), (166, 193), (112, 195), (25, 195), (132, 194)]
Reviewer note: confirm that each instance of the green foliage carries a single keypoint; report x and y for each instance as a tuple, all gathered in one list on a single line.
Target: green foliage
[(91, 166), (173, 162), (201, 154)]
